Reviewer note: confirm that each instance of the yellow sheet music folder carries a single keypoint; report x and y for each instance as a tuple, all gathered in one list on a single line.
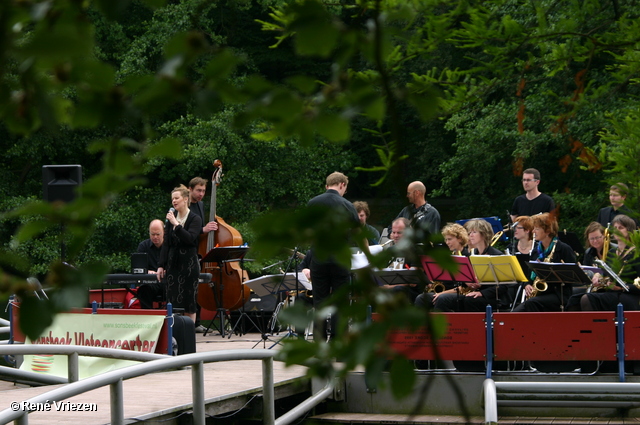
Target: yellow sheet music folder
[(497, 268)]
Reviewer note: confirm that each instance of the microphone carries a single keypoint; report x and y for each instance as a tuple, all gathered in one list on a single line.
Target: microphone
[(171, 210)]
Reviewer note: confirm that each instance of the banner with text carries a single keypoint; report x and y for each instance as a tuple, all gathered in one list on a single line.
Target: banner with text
[(126, 332)]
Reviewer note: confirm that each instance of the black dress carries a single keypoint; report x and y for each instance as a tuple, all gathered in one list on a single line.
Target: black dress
[(179, 257)]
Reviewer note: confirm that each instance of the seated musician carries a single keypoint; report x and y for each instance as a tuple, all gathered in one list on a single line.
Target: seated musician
[(523, 236), (456, 238), (398, 227), (551, 250), (594, 240), (473, 297), (149, 292), (524, 248), (625, 265)]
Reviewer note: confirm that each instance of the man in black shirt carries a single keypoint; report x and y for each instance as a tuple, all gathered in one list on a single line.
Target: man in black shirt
[(148, 292), (617, 195), (197, 190), (328, 275), (420, 213), (533, 201)]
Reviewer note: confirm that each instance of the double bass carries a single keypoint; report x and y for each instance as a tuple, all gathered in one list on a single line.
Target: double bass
[(230, 292)]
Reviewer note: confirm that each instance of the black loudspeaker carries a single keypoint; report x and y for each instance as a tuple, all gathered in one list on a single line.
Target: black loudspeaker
[(59, 182)]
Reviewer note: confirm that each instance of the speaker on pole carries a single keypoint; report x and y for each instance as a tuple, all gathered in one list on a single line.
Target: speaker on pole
[(60, 182)]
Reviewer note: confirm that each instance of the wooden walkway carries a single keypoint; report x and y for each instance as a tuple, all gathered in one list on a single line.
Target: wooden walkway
[(228, 386)]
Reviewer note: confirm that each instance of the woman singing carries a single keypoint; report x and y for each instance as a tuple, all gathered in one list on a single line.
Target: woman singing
[(179, 253)]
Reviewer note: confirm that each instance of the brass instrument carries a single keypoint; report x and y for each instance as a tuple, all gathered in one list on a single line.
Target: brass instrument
[(605, 282), (436, 287), (540, 285), (496, 237), (606, 243)]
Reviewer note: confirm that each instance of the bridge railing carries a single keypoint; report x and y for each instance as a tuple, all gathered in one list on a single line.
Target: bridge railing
[(196, 361)]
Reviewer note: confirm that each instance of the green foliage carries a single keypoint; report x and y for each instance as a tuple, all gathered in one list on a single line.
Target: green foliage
[(146, 95), (620, 153)]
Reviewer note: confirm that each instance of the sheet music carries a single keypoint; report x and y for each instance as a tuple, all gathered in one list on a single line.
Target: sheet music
[(274, 283), (359, 259)]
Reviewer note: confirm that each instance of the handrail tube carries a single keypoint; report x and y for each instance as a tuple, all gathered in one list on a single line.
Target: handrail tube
[(306, 405), (490, 402), (82, 350), (164, 363), (4, 322), (27, 375), (569, 403), (565, 387)]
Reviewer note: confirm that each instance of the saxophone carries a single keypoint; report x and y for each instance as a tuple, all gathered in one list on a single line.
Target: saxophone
[(540, 285), (605, 283)]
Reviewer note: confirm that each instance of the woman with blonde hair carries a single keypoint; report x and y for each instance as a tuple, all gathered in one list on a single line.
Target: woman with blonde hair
[(178, 260)]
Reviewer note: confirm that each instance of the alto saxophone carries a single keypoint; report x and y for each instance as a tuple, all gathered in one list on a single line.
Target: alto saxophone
[(540, 285)]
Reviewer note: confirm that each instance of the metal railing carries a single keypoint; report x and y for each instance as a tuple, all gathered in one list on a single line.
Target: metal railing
[(557, 394), (196, 360)]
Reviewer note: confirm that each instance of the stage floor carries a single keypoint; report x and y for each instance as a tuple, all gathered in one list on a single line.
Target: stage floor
[(165, 393)]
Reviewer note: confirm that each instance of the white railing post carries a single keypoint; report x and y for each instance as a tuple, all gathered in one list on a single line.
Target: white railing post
[(268, 393), (490, 402), (117, 403), (197, 385), (73, 374)]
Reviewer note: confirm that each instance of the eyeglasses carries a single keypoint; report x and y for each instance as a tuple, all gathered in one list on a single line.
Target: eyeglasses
[(529, 180), (519, 227), (595, 238)]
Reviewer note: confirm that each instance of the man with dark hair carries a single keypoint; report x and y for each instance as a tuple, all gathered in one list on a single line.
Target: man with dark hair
[(420, 213), (197, 190), (533, 201), (362, 208), (617, 195), (328, 275)]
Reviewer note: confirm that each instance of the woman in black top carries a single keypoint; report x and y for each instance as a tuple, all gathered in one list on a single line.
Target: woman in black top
[(550, 250), (179, 254), (625, 265), (594, 238), (480, 234)]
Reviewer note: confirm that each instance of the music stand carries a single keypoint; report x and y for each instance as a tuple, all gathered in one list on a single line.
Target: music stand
[(571, 239), (497, 270), (274, 284), (464, 272), (221, 256), (561, 273), (398, 276)]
